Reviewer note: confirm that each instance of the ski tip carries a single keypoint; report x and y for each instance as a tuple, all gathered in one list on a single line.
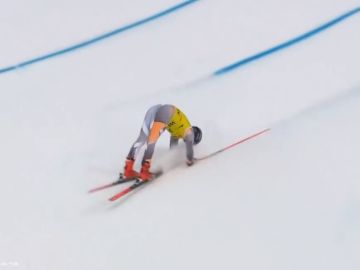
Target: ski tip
[(114, 198), (94, 190), (120, 194), (100, 188)]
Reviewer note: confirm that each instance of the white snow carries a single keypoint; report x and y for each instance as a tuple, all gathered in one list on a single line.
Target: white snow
[(289, 199)]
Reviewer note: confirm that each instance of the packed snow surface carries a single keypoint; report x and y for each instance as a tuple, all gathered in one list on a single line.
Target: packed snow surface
[(288, 199)]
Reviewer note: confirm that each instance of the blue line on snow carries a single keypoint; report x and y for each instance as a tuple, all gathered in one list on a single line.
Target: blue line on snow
[(98, 38), (286, 44)]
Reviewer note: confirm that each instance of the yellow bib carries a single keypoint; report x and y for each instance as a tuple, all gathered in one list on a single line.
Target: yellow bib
[(178, 124)]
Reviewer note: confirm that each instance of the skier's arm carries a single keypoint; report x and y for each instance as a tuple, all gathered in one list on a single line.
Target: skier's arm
[(189, 142), (173, 142)]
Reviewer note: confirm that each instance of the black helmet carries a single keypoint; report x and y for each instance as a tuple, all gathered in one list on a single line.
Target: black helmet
[(197, 134)]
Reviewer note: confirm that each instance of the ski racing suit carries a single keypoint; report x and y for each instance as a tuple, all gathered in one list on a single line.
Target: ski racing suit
[(157, 119)]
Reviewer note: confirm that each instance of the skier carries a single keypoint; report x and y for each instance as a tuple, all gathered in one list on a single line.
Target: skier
[(157, 119)]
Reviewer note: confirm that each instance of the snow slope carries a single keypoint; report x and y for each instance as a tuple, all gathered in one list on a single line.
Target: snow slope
[(286, 200)]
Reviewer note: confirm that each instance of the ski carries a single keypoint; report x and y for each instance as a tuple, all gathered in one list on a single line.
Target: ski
[(117, 182), (125, 191), (234, 144), (137, 184)]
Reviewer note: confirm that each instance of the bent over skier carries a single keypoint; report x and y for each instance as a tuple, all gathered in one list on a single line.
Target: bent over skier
[(157, 119)]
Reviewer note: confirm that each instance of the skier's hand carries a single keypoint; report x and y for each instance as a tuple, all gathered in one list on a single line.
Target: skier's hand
[(190, 162)]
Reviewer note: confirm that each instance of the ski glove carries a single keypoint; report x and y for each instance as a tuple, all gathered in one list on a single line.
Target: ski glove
[(190, 162)]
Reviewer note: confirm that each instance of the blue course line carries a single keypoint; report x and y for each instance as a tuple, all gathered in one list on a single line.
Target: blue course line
[(98, 38), (286, 44)]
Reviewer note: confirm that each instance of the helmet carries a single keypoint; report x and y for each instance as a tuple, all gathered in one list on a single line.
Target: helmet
[(197, 134)]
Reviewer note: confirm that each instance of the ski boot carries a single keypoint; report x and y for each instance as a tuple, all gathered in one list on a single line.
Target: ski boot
[(145, 174), (129, 172)]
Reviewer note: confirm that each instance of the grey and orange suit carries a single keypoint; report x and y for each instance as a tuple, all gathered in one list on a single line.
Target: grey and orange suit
[(157, 119)]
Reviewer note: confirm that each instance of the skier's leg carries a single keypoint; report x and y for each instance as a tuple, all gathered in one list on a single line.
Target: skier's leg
[(140, 141), (154, 135), (129, 171), (173, 142), (144, 132)]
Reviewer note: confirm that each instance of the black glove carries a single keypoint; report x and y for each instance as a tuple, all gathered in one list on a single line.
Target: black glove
[(190, 162)]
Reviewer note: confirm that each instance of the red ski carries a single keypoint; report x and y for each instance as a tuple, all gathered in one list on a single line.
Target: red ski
[(118, 182), (137, 184), (234, 144)]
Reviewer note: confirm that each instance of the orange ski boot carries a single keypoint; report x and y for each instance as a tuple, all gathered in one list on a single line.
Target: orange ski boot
[(129, 172), (145, 174)]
